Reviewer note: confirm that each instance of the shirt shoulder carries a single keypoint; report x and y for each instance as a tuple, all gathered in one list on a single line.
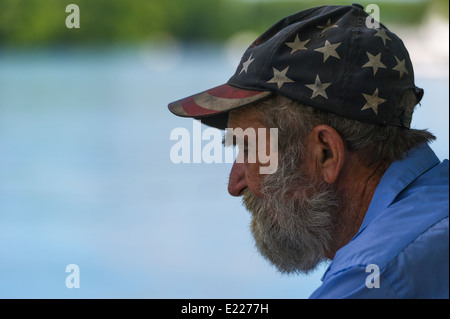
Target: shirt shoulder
[(418, 207), (407, 241), (420, 270)]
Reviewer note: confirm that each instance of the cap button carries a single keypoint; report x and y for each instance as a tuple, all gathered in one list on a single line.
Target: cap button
[(357, 5)]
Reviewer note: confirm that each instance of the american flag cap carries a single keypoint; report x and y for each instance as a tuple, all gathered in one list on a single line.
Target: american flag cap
[(326, 57)]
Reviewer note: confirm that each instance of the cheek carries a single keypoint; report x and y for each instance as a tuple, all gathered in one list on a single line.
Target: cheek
[(254, 179)]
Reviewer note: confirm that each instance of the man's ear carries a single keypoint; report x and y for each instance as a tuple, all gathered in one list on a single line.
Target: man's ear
[(326, 152)]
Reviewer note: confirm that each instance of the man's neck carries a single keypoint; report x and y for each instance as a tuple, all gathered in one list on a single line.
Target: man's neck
[(357, 195)]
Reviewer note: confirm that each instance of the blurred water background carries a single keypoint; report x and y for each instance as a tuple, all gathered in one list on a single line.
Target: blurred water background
[(85, 172)]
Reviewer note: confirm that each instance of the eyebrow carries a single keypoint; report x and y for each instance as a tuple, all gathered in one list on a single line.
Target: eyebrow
[(227, 143)]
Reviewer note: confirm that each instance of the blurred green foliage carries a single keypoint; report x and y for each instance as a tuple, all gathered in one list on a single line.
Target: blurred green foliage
[(42, 22)]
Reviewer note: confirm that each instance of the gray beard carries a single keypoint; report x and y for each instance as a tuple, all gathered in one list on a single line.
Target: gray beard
[(293, 223)]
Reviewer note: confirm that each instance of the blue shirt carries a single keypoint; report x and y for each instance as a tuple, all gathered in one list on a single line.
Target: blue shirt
[(401, 249)]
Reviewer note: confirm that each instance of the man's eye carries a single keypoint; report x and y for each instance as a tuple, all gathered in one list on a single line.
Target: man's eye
[(227, 143)]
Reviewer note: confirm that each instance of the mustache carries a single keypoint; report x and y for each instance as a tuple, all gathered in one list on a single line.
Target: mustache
[(250, 200)]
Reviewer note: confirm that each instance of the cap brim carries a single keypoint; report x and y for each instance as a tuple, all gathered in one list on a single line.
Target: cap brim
[(212, 106)]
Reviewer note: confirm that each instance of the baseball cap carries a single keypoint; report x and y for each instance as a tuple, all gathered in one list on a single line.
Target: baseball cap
[(326, 57)]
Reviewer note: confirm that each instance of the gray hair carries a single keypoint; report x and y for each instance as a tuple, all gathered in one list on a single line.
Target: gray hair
[(371, 142)]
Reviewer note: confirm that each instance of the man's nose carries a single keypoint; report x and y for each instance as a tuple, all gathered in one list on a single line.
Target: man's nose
[(237, 183)]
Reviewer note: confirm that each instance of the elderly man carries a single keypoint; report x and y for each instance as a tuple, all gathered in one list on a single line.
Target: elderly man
[(354, 184)]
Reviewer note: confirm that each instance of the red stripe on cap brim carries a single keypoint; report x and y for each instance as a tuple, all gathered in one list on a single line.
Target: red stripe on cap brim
[(217, 100)]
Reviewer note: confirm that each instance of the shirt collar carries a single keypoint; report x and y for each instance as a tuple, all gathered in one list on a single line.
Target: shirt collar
[(397, 177)]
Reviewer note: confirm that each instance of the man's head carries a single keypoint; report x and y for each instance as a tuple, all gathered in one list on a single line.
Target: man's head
[(305, 211), (341, 96)]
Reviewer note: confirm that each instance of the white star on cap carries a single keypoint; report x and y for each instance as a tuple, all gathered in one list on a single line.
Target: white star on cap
[(318, 88), (374, 62), (279, 77), (372, 101), (382, 34), (400, 67), (297, 45), (328, 26), (329, 50), (246, 64)]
